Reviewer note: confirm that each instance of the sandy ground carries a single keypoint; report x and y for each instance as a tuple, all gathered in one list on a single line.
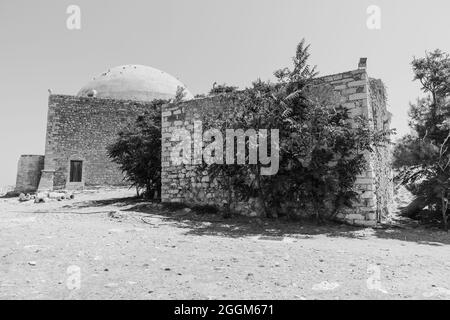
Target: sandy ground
[(99, 246)]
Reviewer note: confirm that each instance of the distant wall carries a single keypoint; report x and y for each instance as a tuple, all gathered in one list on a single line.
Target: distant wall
[(183, 183), (81, 128), (29, 173)]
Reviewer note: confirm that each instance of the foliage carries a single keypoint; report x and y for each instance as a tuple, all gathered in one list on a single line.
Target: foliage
[(321, 149), (423, 157), (180, 94), (222, 88), (137, 150)]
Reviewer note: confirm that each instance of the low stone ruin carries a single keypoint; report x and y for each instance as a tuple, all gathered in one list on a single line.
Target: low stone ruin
[(42, 197)]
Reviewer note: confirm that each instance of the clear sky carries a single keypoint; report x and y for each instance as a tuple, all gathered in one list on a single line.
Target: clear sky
[(199, 42)]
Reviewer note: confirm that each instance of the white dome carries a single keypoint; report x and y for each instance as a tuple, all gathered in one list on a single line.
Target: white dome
[(134, 82)]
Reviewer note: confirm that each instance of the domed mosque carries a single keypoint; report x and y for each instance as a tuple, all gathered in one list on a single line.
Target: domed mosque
[(134, 82), (80, 128)]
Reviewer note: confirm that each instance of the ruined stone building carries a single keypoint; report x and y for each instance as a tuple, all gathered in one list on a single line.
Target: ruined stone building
[(80, 128), (361, 95)]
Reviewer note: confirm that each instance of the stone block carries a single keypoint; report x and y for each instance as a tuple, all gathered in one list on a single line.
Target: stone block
[(357, 96)]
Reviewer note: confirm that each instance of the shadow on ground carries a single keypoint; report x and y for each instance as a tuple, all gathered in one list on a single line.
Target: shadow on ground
[(203, 220)]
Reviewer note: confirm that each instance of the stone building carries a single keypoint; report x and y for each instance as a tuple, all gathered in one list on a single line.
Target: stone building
[(361, 95), (80, 128)]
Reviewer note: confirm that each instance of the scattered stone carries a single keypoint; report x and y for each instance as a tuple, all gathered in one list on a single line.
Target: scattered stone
[(57, 195), (23, 197), (115, 214), (39, 200)]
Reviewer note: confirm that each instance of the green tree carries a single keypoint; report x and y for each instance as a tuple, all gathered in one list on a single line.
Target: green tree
[(137, 150), (423, 157), (321, 150)]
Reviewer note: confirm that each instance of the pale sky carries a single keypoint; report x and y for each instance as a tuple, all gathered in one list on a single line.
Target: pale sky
[(199, 42)]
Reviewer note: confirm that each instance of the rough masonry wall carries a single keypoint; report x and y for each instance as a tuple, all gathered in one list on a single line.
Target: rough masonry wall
[(80, 128), (29, 173), (353, 87), (184, 183), (382, 157)]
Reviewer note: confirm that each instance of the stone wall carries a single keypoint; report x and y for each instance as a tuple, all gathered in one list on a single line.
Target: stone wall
[(382, 157), (29, 173), (183, 182), (80, 128)]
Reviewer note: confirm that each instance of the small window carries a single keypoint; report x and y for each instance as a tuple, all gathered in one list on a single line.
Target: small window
[(76, 171)]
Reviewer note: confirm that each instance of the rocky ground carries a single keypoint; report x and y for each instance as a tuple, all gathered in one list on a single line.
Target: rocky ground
[(103, 245)]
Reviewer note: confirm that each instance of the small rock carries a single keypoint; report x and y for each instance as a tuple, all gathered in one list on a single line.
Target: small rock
[(23, 197), (32, 263), (115, 215), (39, 200)]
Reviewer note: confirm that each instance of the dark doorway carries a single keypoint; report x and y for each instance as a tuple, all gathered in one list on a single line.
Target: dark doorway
[(76, 170)]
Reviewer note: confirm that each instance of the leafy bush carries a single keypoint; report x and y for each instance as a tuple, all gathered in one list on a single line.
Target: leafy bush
[(222, 88), (321, 148), (137, 150), (423, 157)]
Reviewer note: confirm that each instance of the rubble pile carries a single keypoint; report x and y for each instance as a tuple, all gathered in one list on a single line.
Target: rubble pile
[(42, 197)]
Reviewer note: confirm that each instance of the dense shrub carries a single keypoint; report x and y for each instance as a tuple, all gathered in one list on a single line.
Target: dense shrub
[(137, 150), (321, 149), (423, 157)]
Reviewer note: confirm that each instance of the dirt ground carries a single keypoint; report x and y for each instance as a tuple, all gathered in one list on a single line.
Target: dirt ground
[(106, 245)]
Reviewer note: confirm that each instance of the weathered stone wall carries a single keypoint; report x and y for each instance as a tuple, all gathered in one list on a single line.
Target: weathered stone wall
[(29, 173), (382, 157), (80, 128), (184, 183)]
